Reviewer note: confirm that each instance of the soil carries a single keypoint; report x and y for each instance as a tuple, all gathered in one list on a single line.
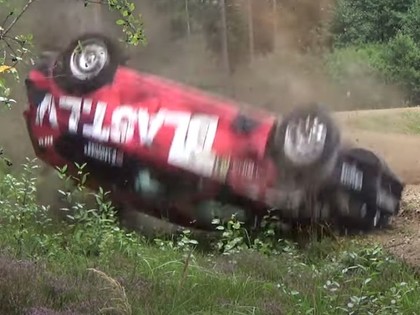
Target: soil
[(403, 238)]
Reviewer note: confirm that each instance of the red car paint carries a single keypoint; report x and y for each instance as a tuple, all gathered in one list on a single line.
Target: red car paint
[(234, 157)]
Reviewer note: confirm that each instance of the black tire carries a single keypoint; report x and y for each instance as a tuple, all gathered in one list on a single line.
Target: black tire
[(314, 169), (86, 80)]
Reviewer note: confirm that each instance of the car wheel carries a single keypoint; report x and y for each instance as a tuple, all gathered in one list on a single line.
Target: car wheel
[(383, 187), (307, 143), (88, 63)]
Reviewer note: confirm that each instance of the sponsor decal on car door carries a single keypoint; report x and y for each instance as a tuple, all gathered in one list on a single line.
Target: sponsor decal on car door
[(191, 145)]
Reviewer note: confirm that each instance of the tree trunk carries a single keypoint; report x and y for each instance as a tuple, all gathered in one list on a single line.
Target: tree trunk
[(90, 17), (275, 24), (225, 48), (188, 71), (187, 15), (97, 16), (251, 32)]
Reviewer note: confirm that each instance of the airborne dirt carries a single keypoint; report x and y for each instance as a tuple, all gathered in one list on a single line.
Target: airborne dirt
[(275, 82)]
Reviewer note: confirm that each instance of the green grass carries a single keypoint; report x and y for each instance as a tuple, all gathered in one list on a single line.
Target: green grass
[(405, 122), (88, 264), (157, 281)]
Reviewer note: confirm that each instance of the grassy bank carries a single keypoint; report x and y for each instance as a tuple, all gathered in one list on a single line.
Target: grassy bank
[(397, 121), (88, 265)]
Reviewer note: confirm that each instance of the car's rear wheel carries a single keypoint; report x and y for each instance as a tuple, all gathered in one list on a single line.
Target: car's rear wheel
[(88, 63), (381, 190), (306, 144)]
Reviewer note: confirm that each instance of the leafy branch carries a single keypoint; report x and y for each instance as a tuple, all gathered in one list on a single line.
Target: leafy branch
[(5, 31), (14, 44), (14, 49), (131, 24)]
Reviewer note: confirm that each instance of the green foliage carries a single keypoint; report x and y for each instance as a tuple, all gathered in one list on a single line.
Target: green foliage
[(14, 48), (396, 63), (412, 22), (402, 64), (132, 26), (355, 62), (368, 21), (384, 37), (88, 264)]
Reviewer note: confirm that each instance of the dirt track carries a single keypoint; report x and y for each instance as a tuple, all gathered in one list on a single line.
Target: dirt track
[(403, 238), (402, 152)]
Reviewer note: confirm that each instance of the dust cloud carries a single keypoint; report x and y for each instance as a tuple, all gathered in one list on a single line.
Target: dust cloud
[(296, 71), (278, 81)]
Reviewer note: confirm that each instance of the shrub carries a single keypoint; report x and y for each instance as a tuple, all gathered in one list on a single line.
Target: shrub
[(412, 21), (394, 63), (355, 62), (402, 64)]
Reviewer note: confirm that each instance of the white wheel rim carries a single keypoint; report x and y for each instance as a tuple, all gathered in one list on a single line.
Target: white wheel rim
[(305, 140), (88, 59)]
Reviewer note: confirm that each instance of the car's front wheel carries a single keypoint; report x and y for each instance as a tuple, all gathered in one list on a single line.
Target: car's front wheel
[(306, 144)]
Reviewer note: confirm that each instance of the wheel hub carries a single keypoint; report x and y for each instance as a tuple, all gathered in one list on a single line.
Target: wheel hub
[(305, 140), (88, 59)]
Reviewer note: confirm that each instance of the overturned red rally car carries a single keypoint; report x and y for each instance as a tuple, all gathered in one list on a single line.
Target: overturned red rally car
[(187, 156)]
